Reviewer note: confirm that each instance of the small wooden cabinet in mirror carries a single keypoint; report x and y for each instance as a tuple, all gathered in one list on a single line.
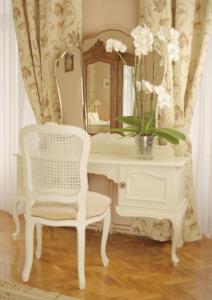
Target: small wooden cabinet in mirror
[(107, 86)]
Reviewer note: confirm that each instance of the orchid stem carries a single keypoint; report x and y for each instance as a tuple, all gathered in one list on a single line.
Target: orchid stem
[(122, 58)]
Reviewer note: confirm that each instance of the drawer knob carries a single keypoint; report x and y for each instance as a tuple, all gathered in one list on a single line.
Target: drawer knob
[(122, 185)]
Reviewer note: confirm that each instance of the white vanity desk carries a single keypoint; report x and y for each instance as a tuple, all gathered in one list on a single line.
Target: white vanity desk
[(146, 188)]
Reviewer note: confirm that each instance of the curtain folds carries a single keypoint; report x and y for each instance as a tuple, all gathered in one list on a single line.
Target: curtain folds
[(193, 19), (11, 100), (45, 29), (201, 137)]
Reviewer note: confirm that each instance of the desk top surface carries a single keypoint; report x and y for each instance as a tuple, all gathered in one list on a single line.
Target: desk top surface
[(123, 159), (131, 159)]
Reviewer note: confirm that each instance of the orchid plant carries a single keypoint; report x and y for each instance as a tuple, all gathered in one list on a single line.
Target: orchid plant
[(145, 122)]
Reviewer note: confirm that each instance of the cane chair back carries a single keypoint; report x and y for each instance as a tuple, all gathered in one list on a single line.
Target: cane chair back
[(55, 162)]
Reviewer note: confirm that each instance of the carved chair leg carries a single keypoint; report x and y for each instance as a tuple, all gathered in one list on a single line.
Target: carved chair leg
[(29, 237), (81, 256), (39, 240), (15, 218), (106, 227)]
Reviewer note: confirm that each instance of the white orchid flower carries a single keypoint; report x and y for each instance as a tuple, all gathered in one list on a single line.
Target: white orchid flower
[(143, 40), (147, 87), (159, 89), (138, 85), (163, 33), (135, 33), (142, 50), (173, 51), (138, 51), (174, 35), (115, 45), (164, 100), (109, 45), (123, 48), (168, 44)]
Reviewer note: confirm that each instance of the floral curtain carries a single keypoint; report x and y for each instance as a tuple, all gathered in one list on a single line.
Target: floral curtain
[(44, 30), (193, 19)]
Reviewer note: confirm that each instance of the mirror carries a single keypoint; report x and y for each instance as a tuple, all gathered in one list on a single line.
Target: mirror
[(107, 82)]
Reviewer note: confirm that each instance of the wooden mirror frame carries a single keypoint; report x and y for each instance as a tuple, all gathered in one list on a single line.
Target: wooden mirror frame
[(98, 53)]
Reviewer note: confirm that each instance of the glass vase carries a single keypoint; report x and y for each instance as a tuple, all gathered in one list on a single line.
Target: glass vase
[(144, 146)]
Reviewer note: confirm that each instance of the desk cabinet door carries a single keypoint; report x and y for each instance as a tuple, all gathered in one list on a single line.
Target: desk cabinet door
[(151, 186)]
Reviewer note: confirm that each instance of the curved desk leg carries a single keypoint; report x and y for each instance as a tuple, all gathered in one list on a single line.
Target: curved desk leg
[(15, 218), (177, 222), (176, 232)]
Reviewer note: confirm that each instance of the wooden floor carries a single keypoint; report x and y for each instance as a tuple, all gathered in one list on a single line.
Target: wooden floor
[(139, 269)]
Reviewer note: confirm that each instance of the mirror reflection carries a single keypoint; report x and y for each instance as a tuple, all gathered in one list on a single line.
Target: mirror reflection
[(98, 97), (108, 82)]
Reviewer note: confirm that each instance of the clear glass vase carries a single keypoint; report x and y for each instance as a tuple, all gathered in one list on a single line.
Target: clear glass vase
[(144, 146)]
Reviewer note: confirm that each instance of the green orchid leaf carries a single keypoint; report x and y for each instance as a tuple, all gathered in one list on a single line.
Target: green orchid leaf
[(145, 125), (130, 120), (131, 134), (127, 129), (150, 120), (175, 133), (170, 138)]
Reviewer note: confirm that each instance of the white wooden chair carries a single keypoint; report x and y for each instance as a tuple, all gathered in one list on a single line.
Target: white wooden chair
[(55, 180)]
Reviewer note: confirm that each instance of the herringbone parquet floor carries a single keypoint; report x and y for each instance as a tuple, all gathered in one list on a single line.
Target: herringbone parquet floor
[(139, 269)]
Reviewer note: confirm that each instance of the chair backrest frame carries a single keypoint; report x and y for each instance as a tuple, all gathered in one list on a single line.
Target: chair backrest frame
[(59, 130)]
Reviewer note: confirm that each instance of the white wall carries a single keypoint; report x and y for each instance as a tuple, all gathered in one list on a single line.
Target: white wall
[(99, 15)]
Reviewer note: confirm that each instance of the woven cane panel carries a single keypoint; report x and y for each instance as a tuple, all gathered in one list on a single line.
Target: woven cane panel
[(55, 162)]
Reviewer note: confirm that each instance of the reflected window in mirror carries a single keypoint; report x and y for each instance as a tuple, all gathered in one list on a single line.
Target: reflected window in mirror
[(128, 91)]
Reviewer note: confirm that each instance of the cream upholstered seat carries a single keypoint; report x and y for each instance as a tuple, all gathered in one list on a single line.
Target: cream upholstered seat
[(55, 180), (96, 205)]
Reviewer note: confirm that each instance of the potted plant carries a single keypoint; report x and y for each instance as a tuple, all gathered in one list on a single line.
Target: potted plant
[(144, 123)]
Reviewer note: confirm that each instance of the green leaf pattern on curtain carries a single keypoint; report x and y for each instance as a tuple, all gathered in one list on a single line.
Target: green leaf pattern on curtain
[(193, 19), (45, 29)]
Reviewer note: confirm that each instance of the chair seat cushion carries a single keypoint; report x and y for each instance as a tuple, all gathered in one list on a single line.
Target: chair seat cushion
[(96, 204)]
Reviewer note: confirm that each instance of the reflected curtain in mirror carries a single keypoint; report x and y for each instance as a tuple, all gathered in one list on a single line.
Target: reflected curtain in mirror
[(98, 97)]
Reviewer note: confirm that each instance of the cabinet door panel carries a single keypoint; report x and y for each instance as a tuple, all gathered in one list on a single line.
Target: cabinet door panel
[(148, 187)]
